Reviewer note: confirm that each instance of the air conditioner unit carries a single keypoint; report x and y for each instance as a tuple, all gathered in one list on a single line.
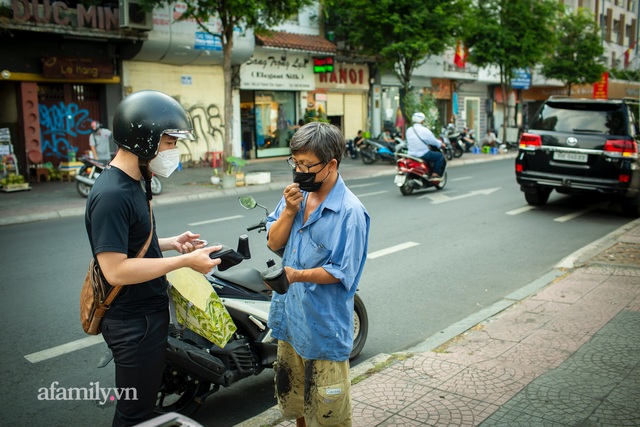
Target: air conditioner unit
[(133, 16)]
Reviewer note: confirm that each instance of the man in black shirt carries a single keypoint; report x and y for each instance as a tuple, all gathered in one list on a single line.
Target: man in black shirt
[(146, 126)]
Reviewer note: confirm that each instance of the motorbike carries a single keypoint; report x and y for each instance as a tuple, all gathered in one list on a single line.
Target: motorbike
[(373, 151), (455, 141), (413, 174), (91, 170), (196, 368)]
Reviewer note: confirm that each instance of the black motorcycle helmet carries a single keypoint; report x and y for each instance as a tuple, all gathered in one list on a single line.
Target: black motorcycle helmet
[(141, 119)]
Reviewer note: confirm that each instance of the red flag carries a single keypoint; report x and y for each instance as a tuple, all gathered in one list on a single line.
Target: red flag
[(627, 53), (460, 58)]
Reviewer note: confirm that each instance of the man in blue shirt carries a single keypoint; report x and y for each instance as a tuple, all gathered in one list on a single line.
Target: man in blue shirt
[(419, 142), (324, 230)]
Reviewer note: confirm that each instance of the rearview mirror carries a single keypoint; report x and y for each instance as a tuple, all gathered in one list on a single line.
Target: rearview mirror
[(248, 202)]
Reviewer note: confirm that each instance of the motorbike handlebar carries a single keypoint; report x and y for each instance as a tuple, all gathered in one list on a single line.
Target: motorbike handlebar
[(261, 226)]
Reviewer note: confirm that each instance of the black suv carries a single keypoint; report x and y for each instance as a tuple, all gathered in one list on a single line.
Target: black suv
[(582, 146)]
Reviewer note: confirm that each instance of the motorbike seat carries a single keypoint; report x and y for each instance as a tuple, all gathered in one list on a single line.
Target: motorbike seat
[(248, 278), (417, 159)]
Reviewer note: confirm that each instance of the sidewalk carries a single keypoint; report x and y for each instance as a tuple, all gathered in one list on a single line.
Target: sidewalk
[(564, 350), (50, 200)]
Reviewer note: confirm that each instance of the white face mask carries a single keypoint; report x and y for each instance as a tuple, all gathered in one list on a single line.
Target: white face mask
[(165, 162)]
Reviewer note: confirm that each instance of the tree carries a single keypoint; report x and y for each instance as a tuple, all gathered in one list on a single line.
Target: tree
[(510, 35), (233, 15), (578, 57), (398, 34)]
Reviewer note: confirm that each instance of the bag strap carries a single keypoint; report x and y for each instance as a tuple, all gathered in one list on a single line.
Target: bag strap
[(420, 138), (143, 250)]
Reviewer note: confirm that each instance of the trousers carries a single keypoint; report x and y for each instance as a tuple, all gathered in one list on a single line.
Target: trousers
[(436, 160), (138, 345)]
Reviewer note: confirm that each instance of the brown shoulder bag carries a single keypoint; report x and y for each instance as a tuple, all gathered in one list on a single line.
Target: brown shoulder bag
[(97, 295)]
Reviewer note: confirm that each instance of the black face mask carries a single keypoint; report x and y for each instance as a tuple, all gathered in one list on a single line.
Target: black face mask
[(307, 180)]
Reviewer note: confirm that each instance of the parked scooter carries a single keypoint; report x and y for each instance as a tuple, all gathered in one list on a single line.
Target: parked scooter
[(373, 151), (413, 174), (450, 146), (455, 139), (91, 170), (196, 368)]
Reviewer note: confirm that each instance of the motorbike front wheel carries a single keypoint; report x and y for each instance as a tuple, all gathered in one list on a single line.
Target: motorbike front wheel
[(457, 150), (156, 185), (179, 395), (83, 189), (360, 326), (448, 153), (368, 155)]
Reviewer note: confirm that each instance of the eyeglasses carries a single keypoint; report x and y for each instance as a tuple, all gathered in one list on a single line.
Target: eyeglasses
[(303, 168)]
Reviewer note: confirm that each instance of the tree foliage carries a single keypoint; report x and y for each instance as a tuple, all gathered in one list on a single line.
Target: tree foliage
[(399, 34), (233, 15), (578, 57), (511, 35)]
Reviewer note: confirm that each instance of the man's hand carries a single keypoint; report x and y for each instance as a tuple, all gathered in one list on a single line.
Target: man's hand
[(293, 197), (188, 242), (199, 259)]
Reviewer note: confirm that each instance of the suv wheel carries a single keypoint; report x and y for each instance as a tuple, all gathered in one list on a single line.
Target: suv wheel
[(631, 207), (539, 197)]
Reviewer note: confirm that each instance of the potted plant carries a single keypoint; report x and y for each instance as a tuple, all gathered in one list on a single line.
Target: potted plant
[(233, 173), (215, 178)]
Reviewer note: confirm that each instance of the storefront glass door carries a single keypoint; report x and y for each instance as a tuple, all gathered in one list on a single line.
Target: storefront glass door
[(268, 123)]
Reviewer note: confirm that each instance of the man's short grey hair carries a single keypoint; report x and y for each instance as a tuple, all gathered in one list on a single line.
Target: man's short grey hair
[(322, 139)]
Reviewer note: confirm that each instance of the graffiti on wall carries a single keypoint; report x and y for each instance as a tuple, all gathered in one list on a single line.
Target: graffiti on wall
[(208, 126), (58, 124), (61, 123)]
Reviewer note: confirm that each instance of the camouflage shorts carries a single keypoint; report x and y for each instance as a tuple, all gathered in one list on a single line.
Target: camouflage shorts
[(319, 390)]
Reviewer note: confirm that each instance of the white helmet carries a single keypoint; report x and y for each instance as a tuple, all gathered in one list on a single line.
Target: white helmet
[(418, 117)]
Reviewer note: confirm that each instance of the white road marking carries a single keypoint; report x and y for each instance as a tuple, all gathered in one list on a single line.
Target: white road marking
[(574, 215), (392, 249), (460, 178), (216, 220), (521, 210), (368, 184), (375, 193), (437, 198), (69, 347)]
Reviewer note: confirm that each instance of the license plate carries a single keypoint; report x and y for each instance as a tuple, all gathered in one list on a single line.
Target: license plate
[(399, 180), (570, 157)]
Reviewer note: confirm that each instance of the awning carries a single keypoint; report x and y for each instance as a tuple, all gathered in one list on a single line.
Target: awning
[(299, 42)]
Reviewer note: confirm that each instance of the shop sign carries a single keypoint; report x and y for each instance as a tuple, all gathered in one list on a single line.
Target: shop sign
[(521, 79), (323, 64), (600, 88), (345, 76), (206, 41), (59, 13), (77, 68), (277, 70), (441, 88)]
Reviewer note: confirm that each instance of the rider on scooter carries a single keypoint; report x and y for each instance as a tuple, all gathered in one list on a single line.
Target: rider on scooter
[(422, 143)]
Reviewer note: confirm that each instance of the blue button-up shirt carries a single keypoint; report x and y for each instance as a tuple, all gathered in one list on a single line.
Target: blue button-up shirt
[(317, 320)]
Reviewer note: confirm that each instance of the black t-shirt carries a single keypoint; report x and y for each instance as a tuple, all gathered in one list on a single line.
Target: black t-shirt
[(117, 220)]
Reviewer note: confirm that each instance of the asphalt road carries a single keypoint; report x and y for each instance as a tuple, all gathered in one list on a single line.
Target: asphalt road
[(435, 258)]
